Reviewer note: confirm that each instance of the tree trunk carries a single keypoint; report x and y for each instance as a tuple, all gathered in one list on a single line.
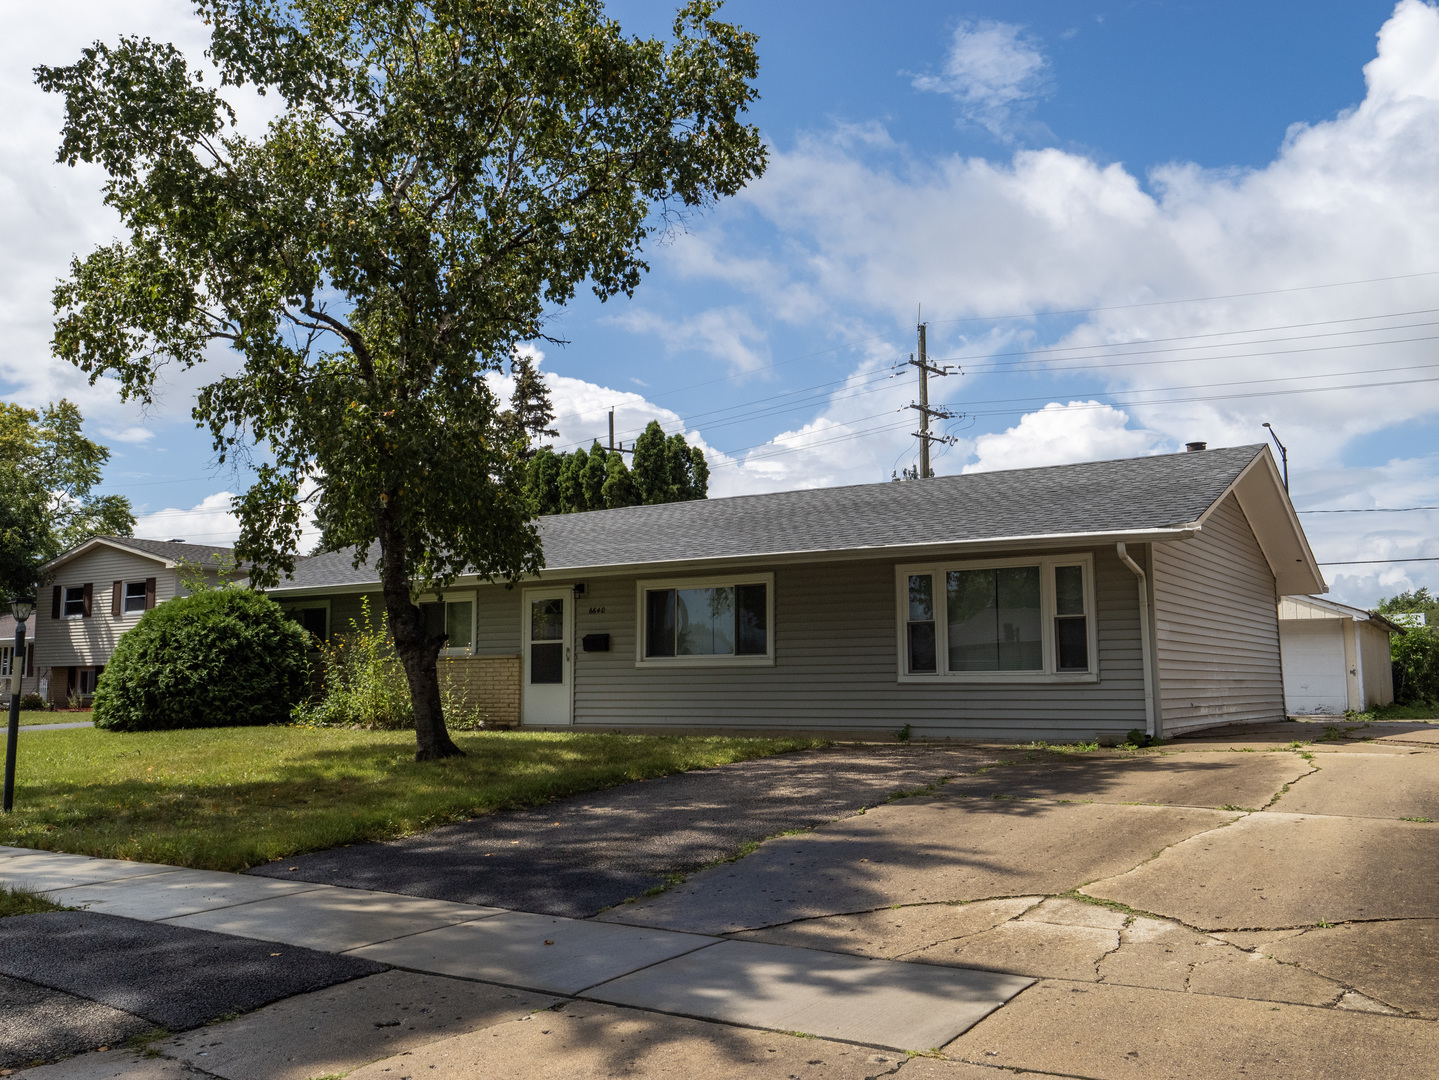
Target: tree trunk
[(418, 652)]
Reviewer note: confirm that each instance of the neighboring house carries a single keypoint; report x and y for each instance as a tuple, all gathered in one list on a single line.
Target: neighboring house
[(100, 589), (1336, 657), (1062, 603), (7, 649)]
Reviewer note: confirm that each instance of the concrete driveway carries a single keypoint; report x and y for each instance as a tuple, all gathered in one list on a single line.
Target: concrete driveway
[(1259, 902)]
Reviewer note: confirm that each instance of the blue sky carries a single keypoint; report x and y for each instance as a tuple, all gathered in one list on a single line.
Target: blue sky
[(1056, 183)]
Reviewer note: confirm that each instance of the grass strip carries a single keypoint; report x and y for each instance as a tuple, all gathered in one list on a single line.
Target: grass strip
[(24, 902), (231, 798)]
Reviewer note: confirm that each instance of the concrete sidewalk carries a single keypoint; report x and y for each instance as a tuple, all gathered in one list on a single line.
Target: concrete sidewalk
[(874, 1002)]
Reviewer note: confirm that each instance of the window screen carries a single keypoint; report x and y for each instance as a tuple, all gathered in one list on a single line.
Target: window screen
[(922, 655), (547, 641), (453, 618), (135, 597), (74, 602), (1071, 624)]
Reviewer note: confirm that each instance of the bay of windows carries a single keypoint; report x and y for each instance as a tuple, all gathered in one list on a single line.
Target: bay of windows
[(999, 619)]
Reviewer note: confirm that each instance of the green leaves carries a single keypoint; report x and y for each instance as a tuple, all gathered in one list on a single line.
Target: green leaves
[(443, 174), (48, 472)]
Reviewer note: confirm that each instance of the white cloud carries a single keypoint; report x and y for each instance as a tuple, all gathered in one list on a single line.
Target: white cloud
[(1062, 434), (995, 71), (727, 334), (208, 522)]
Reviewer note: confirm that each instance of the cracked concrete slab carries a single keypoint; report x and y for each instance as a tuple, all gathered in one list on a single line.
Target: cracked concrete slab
[(874, 1002), (1137, 1033), (1165, 955), (1396, 963), (1367, 785), (1285, 870), (40, 1024), (590, 1041), (344, 1027), (1165, 779), (1042, 950), (916, 851), (894, 933)]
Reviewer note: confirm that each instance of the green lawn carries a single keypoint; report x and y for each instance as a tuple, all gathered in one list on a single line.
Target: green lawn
[(229, 798), (1400, 712)]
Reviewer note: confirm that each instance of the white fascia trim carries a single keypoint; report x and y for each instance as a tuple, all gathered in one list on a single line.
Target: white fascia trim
[(1278, 483), (100, 541)]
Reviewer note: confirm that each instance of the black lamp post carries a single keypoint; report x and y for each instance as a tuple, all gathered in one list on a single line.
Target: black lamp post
[(20, 607)]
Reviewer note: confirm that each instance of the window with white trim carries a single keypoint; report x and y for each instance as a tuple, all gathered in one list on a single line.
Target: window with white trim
[(72, 605), (453, 616), (998, 620), (710, 620), (134, 600)]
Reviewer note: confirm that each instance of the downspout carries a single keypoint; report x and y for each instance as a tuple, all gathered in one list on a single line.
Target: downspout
[(1145, 650)]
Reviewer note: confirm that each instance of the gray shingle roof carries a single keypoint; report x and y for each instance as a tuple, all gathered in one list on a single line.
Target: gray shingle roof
[(169, 549), (1124, 496)]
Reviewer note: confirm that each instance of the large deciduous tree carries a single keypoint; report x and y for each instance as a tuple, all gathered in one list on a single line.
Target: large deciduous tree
[(48, 473), (442, 173)]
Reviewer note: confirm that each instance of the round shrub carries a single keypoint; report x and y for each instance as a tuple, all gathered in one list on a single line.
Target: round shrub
[(222, 658)]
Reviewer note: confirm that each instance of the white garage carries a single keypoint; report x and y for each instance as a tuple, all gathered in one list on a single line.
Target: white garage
[(1335, 657)]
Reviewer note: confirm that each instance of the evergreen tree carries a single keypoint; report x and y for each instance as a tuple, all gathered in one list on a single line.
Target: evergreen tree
[(572, 483), (542, 481), (650, 473), (593, 478), (699, 474), (619, 489), (530, 413)]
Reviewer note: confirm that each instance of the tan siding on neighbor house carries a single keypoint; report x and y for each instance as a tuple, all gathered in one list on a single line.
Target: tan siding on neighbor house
[(1217, 627), (836, 667), (86, 642)]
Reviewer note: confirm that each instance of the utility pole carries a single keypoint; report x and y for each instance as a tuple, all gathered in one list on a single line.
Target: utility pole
[(613, 447), (922, 406)]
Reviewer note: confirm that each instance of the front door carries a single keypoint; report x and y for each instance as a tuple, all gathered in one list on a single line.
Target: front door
[(548, 620)]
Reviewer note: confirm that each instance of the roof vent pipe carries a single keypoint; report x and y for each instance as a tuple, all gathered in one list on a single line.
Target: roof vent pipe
[(1195, 447)]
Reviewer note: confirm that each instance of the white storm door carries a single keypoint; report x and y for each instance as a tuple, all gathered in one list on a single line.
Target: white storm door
[(548, 667)]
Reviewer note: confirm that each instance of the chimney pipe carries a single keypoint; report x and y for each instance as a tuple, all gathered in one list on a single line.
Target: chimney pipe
[(1194, 447)]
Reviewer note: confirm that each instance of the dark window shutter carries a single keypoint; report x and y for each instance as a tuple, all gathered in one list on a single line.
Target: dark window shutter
[(89, 599), (149, 593), (55, 603), (117, 598), (30, 653)]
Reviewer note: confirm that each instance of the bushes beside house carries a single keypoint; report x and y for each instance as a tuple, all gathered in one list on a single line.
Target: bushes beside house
[(221, 658), (1416, 665)]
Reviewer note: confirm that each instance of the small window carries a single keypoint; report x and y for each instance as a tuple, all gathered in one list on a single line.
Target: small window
[(920, 627), (73, 606), (547, 641), (87, 680), (1071, 621), (5, 661), (134, 597), (453, 618), (706, 621)]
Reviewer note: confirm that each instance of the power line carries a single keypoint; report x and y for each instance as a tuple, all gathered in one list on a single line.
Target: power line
[(1365, 562), (1190, 300), (1371, 510)]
